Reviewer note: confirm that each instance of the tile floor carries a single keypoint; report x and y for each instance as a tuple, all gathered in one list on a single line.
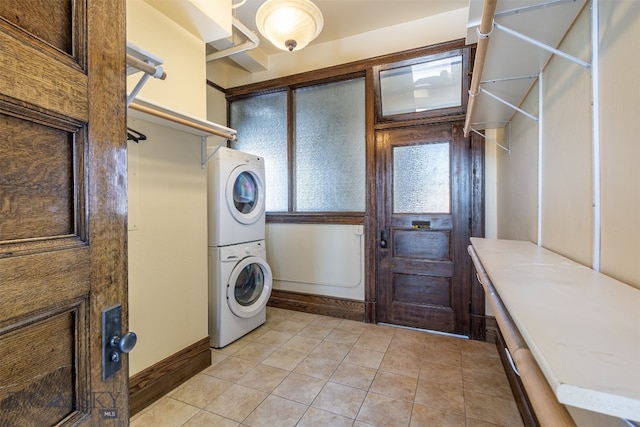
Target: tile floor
[(301, 369)]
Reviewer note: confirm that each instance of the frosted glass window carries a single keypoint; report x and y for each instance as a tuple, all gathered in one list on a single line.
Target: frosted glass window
[(421, 182), (330, 147), (261, 122), (428, 86)]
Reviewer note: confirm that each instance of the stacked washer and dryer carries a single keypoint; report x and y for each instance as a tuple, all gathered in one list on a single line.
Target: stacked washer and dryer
[(239, 277)]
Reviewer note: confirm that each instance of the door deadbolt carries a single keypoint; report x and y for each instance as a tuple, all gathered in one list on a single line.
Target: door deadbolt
[(383, 238)]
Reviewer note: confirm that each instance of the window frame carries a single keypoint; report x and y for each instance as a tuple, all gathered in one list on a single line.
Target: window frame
[(369, 69), (440, 112), (291, 215)]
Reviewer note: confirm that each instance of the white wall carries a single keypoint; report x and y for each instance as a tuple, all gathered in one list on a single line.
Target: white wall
[(167, 244), (567, 160), (167, 197), (567, 170), (620, 150), (317, 259)]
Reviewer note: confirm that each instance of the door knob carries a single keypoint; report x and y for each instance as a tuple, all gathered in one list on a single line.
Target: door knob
[(125, 343)]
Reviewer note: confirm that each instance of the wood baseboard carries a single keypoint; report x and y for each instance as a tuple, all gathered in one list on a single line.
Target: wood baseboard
[(318, 304), (149, 385)]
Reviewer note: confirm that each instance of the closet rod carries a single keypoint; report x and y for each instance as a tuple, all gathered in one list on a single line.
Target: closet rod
[(146, 67), (486, 25), (162, 115)]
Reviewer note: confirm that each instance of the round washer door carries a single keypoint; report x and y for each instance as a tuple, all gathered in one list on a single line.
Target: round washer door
[(249, 287), (245, 195)]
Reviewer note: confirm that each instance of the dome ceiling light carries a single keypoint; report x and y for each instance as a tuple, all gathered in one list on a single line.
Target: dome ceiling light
[(289, 24)]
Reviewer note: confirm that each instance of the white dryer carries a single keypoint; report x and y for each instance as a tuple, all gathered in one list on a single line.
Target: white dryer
[(236, 197), (239, 287)]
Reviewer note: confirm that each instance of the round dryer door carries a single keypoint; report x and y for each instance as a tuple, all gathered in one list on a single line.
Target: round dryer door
[(245, 195), (249, 287)]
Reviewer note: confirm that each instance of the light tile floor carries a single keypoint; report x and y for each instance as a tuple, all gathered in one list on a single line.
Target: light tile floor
[(301, 369)]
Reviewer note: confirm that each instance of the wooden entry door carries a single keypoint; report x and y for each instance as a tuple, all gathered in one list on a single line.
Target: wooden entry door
[(63, 207), (423, 176)]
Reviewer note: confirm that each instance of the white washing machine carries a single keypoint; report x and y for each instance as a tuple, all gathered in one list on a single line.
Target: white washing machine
[(239, 287), (236, 201)]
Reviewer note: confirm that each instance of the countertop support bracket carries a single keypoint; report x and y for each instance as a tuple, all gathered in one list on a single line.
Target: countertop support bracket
[(507, 125)]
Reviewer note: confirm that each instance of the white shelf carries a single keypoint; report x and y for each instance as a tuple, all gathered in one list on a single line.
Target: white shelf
[(160, 114), (515, 63), (582, 327)]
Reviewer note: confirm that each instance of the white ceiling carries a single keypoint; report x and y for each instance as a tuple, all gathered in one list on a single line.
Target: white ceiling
[(344, 18)]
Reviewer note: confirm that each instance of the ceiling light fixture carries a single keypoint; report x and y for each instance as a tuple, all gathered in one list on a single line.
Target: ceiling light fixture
[(289, 24)]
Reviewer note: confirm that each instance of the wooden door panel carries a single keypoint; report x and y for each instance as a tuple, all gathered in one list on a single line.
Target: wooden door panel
[(438, 318), (36, 75), (422, 275), (430, 245), (63, 257), (44, 381), (422, 289), (26, 290), (51, 21), (39, 181)]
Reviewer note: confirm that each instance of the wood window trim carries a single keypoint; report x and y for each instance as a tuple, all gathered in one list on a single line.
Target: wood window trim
[(437, 114), (359, 69), (338, 72), (352, 218)]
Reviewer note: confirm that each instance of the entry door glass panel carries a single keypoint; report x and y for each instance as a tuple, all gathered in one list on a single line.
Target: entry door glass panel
[(249, 285), (330, 147), (421, 182), (261, 122), (427, 86), (245, 193)]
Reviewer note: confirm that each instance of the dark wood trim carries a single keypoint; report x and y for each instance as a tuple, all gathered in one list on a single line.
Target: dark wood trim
[(477, 306), (478, 187), (291, 149), (478, 328), (420, 122), (355, 218), (491, 328), (318, 304), (371, 223), (349, 70), (216, 86), (149, 385)]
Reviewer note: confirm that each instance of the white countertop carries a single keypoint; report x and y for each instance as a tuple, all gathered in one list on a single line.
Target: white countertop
[(582, 327)]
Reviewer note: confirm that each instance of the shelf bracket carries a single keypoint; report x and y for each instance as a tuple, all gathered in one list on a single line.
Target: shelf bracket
[(507, 126), (518, 109), (141, 60), (203, 151), (541, 45)]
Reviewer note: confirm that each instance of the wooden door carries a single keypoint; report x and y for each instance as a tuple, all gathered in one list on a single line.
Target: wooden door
[(424, 217), (63, 208)]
